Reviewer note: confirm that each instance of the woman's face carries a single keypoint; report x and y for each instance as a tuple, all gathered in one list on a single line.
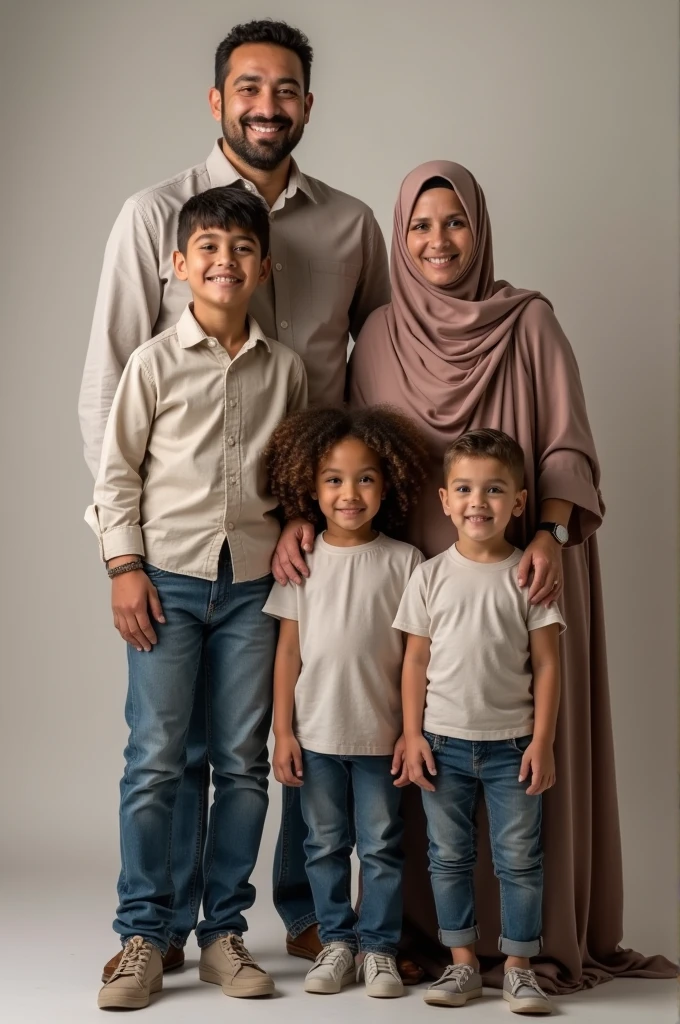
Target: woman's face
[(439, 236)]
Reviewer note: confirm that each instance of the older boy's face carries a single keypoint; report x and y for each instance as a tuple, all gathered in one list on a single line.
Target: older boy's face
[(481, 497), (263, 109), (223, 268)]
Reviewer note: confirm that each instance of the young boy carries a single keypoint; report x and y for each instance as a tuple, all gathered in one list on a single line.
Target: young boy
[(480, 690), (183, 515)]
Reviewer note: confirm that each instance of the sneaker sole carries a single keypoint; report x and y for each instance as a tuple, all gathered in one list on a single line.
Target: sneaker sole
[(110, 999), (527, 1005), (436, 998), (322, 987), (253, 991), (385, 991)]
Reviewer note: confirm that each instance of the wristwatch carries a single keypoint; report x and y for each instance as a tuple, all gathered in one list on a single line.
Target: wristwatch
[(560, 533)]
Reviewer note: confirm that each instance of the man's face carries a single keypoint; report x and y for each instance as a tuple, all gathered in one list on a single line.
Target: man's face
[(263, 109)]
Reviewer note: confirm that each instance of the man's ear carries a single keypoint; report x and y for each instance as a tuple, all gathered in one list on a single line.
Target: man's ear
[(309, 100), (179, 262), (265, 269), (444, 498), (215, 101)]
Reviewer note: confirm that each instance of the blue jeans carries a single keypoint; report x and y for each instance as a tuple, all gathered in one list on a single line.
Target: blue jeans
[(332, 786), (463, 768), (218, 627)]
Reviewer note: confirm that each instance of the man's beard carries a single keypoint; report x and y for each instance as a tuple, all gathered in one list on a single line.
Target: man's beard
[(267, 156)]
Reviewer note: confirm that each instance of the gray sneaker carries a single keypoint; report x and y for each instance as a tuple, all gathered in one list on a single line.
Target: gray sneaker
[(458, 983), (523, 993)]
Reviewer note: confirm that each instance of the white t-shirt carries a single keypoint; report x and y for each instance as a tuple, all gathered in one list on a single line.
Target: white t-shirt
[(478, 619), (348, 695)]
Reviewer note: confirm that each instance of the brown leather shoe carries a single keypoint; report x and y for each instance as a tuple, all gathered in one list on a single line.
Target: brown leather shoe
[(307, 945), (173, 959), (409, 972)]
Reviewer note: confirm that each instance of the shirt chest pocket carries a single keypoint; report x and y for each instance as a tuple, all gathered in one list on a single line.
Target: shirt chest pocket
[(333, 285)]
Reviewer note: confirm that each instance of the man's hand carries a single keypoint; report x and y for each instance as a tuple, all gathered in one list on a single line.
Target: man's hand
[(539, 762), (419, 752), (399, 766), (288, 562), (287, 760), (133, 595)]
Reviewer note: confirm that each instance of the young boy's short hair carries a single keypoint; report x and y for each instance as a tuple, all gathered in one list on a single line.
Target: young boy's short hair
[(486, 443), (226, 207)]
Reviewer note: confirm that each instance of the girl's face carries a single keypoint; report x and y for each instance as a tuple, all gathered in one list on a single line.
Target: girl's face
[(439, 236), (349, 487)]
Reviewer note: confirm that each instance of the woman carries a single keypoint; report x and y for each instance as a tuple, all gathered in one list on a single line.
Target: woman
[(456, 350)]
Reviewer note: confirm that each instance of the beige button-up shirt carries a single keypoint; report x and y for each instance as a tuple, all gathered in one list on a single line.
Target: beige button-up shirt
[(329, 271), (181, 466)]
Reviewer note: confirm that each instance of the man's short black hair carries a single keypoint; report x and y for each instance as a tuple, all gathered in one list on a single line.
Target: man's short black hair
[(226, 207), (278, 33)]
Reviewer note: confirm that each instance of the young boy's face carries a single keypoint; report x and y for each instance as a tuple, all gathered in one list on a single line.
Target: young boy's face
[(480, 497), (223, 268)]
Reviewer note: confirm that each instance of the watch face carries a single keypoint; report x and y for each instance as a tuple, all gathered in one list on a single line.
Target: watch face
[(561, 534)]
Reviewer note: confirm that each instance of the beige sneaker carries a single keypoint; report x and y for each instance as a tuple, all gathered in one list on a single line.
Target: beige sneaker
[(138, 975), (227, 962)]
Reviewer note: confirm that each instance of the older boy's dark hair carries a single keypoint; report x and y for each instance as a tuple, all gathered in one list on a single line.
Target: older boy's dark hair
[(298, 445), (278, 33), (226, 207), (486, 444)]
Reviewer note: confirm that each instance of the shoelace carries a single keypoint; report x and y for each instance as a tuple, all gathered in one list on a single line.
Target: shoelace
[(459, 973), (379, 963), (330, 955), (235, 949), (520, 976), (135, 957)]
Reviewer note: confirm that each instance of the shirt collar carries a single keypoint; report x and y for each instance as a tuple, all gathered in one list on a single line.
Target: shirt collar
[(221, 172), (190, 332)]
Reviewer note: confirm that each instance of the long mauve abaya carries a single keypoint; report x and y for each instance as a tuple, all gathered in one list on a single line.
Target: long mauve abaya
[(480, 353)]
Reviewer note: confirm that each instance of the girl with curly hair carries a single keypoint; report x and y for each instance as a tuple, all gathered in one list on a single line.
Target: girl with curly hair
[(337, 706)]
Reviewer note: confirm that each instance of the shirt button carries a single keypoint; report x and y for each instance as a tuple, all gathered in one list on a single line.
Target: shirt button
[(284, 323), (230, 526), (231, 442), (232, 479), (212, 342), (279, 266), (248, 186), (232, 402)]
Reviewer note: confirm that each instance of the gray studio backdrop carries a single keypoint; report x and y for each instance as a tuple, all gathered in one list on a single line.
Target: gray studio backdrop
[(566, 110)]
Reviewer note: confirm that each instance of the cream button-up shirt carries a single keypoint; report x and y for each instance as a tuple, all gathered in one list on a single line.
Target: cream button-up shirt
[(181, 466), (329, 271)]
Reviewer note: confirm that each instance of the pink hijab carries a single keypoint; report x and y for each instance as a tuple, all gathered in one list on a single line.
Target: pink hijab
[(448, 341)]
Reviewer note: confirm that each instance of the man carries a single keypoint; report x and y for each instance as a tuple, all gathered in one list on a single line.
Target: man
[(329, 272)]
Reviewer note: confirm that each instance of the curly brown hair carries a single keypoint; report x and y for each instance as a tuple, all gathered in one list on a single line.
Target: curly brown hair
[(299, 444)]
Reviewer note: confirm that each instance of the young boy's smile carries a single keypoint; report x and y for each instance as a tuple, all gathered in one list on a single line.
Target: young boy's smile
[(480, 498)]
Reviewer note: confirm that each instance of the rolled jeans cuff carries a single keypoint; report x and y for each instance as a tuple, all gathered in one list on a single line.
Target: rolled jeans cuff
[(301, 925), (462, 937), (511, 947)]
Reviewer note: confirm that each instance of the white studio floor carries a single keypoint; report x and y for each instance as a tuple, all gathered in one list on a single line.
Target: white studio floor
[(55, 940)]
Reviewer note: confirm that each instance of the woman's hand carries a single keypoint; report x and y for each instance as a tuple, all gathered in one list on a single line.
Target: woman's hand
[(541, 567), (399, 766), (287, 760), (288, 562)]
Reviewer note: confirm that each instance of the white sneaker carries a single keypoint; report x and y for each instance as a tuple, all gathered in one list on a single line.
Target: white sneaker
[(332, 970), (381, 976)]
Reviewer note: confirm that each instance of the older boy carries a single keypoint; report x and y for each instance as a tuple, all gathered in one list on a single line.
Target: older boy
[(184, 520), (480, 690)]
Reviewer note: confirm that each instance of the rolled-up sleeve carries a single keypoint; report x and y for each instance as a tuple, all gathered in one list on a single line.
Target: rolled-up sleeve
[(566, 461), (115, 513), (126, 310)]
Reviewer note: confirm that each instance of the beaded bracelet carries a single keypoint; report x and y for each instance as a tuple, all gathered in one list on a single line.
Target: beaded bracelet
[(125, 567)]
